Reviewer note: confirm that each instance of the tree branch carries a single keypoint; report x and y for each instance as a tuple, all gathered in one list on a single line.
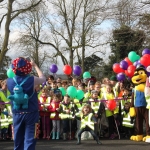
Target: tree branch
[(24, 10)]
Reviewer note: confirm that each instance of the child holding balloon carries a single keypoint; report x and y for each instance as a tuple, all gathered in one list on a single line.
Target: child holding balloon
[(111, 115)]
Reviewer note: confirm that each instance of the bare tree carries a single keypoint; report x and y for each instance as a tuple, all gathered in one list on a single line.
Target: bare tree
[(126, 12), (32, 23), (13, 9), (74, 26), (94, 13)]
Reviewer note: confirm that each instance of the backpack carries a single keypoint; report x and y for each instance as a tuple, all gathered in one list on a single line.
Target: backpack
[(19, 98)]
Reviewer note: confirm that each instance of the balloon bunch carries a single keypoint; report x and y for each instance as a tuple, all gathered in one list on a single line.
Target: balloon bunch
[(74, 93), (127, 66)]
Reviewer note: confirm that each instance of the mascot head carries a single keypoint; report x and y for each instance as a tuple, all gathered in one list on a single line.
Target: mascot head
[(139, 76)]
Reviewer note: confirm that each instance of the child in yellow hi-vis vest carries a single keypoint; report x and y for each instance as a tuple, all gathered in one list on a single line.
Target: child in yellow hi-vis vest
[(66, 110), (87, 123), (111, 115)]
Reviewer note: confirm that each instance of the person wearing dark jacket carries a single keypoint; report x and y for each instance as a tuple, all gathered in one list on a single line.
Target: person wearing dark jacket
[(25, 120)]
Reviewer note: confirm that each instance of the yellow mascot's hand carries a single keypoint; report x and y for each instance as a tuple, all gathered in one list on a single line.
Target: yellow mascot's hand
[(132, 112)]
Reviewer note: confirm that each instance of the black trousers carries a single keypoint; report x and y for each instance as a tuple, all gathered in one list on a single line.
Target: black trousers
[(87, 129)]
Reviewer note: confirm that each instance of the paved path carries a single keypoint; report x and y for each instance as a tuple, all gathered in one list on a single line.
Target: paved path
[(86, 145)]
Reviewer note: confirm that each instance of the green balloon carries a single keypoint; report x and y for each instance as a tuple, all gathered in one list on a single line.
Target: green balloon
[(72, 91), (80, 94), (10, 73), (63, 91), (133, 56), (86, 75)]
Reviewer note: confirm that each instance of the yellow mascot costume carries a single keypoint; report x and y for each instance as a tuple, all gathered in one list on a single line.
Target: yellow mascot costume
[(139, 105)]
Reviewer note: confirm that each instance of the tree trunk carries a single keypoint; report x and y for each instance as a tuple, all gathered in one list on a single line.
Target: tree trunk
[(4, 48), (83, 57), (71, 57)]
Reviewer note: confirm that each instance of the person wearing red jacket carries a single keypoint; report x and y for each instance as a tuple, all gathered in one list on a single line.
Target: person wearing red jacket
[(44, 100), (54, 116)]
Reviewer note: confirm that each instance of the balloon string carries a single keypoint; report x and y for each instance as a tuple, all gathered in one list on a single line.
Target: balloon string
[(71, 76)]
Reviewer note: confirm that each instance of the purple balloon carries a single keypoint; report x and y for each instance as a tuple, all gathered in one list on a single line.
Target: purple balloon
[(53, 68), (146, 51), (121, 76), (136, 63), (77, 70), (123, 65), (148, 74), (43, 84)]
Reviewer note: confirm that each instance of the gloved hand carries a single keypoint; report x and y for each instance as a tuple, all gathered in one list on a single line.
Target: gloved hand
[(132, 112)]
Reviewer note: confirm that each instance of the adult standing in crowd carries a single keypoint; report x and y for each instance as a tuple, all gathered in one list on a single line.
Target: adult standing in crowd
[(25, 120)]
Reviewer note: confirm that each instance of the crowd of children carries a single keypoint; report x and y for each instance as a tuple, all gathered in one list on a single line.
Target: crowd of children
[(67, 118)]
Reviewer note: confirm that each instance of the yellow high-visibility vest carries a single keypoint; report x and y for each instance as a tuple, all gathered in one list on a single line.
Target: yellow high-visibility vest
[(86, 121)]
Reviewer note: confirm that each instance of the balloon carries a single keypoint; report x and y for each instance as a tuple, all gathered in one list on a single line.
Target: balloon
[(72, 91), (123, 65), (116, 68), (86, 75), (148, 69), (43, 84), (146, 51), (111, 105), (10, 73), (128, 61), (145, 60), (67, 70), (148, 74), (136, 63), (63, 91), (121, 76), (133, 56), (130, 70), (80, 94), (53, 68), (77, 70)]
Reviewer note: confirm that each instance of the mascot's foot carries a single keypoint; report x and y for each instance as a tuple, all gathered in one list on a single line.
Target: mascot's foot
[(136, 138), (146, 137), (148, 140)]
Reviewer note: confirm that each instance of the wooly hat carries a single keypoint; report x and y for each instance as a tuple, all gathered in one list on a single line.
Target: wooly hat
[(113, 78)]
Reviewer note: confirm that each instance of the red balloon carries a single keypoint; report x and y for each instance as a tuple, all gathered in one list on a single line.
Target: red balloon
[(130, 70), (131, 67), (128, 61), (111, 105), (128, 74), (145, 60), (117, 69), (67, 70)]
